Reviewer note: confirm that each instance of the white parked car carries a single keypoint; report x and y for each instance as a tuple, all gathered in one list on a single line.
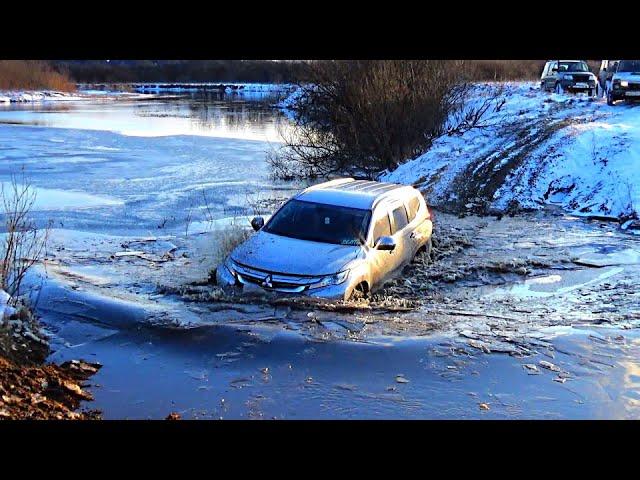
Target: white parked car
[(339, 239), (625, 82)]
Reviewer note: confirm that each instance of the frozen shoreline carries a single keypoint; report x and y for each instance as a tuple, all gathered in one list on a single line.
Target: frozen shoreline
[(41, 96)]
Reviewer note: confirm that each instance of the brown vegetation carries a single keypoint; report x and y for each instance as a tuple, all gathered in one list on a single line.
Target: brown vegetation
[(362, 117), (128, 71), (33, 75)]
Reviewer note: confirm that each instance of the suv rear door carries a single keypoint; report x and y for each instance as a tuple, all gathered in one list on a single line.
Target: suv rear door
[(401, 233), (420, 226)]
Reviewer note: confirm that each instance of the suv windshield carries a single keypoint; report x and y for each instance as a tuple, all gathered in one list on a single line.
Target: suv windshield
[(320, 222), (573, 67), (629, 66)]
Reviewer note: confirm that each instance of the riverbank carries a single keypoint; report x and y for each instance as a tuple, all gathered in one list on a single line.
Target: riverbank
[(537, 149), (32, 389)]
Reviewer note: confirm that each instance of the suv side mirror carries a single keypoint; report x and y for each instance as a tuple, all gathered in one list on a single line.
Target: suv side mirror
[(257, 223), (385, 243)]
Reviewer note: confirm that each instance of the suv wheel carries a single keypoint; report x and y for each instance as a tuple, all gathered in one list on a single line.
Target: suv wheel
[(610, 100), (424, 253), (360, 291)]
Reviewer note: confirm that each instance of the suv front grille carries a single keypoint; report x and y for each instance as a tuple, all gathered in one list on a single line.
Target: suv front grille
[(278, 281), (581, 78)]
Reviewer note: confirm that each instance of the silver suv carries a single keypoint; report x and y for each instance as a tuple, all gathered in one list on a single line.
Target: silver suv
[(625, 82), (339, 239), (568, 76)]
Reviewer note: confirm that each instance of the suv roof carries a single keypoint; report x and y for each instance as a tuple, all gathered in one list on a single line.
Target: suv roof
[(347, 192)]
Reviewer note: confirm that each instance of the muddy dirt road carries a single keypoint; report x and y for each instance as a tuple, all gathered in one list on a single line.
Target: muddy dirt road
[(533, 316)]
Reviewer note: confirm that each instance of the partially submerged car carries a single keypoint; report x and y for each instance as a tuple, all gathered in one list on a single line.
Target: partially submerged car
[(568, 76), (625, 82), (339, 239)]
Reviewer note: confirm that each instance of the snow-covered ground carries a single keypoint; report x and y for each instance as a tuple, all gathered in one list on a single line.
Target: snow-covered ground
[(43, 96), (21, 96), (541, 148)]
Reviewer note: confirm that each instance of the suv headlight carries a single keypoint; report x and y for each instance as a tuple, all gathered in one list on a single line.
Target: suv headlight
[(230, 265), (624, 83), (567, 77), (335, 279)]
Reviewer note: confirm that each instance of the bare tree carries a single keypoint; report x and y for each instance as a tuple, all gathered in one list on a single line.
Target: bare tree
[(24, 244), (363, 117)]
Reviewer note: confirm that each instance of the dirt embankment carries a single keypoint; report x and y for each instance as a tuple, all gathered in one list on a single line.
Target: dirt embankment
[(32, 389)]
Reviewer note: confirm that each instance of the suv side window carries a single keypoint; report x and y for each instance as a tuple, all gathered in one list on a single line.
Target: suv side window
[(412, 208), (382, 228), (400, 219)]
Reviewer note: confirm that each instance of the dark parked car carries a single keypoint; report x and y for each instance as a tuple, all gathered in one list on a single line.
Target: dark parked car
[(625, 82), (568, 76)]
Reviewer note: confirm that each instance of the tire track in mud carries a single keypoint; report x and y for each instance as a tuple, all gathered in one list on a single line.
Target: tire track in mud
[(518, 143), (478, 183)]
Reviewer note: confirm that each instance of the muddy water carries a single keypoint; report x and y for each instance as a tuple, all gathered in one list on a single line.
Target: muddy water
[(531, 323), (527, 317)]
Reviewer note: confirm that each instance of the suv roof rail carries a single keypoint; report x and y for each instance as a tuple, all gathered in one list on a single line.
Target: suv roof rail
[(330, 183)]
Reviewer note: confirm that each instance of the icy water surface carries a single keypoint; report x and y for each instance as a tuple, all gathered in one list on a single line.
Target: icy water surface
[(149, 175), (141, 165)]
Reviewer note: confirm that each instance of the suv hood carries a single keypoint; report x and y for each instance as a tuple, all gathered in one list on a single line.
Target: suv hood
[(635, 76), (275, 253)]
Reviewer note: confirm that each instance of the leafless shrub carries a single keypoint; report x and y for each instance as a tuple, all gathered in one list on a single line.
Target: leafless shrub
[(363, 117), (24, 243)]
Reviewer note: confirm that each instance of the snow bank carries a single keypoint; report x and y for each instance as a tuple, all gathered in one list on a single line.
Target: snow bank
[(286, 105), (542, 148), (17, 96)]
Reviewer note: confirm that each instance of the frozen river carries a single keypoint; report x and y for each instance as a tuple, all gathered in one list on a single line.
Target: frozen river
[(112, 174), (130, 166)]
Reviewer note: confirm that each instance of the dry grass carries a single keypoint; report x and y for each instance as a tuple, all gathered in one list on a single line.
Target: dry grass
[(33, 75), (228, 238)]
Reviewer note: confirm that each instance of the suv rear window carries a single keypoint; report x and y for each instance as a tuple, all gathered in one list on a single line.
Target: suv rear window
[(413, 207), (399, 218), (382, 228)]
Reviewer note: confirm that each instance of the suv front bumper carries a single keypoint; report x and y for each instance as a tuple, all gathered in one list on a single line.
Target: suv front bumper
[(342, 291), (622, 93), (574, 86)]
